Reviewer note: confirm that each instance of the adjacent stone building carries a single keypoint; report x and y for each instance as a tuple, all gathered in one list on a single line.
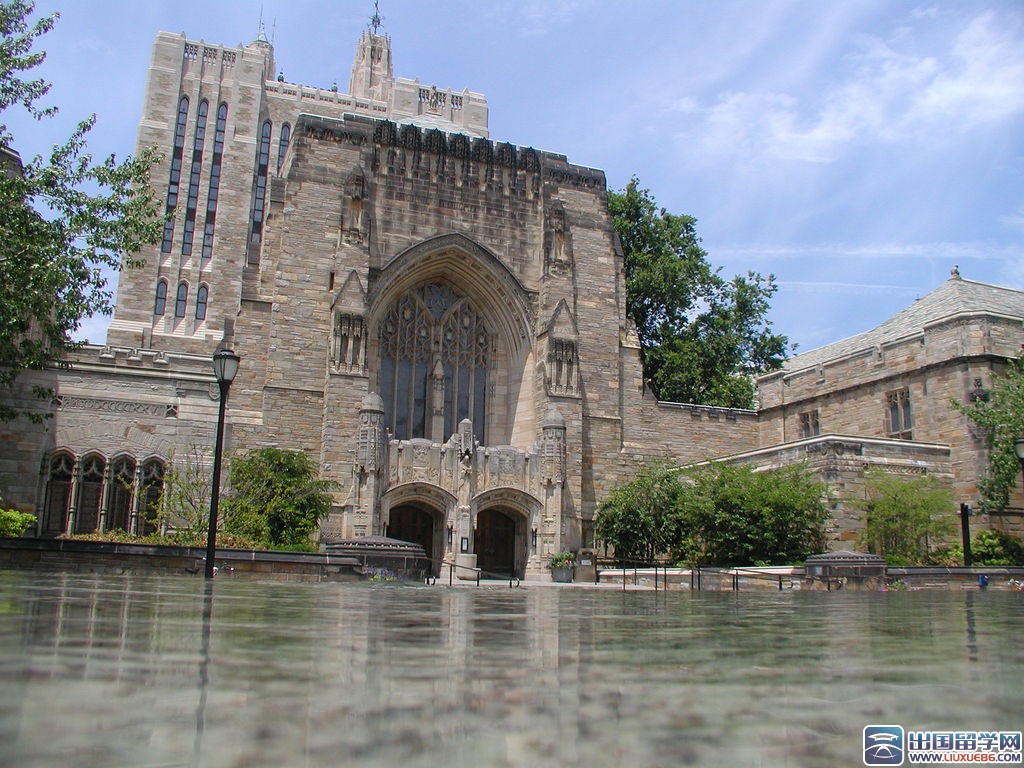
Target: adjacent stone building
[(439, 319)]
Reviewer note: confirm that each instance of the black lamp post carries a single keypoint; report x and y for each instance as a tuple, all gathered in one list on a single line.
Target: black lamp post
[(225, 366), (1018, 448)]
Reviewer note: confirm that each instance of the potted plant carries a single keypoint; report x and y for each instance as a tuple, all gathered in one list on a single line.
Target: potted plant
[(562, 566)]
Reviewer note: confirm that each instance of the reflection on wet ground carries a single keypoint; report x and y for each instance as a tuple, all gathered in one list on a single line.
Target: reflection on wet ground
[(161, 671)]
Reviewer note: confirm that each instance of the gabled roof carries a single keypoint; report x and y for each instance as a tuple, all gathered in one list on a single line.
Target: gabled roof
[(956, 296)]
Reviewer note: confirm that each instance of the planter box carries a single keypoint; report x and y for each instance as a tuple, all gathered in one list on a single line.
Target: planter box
[(562, 574)]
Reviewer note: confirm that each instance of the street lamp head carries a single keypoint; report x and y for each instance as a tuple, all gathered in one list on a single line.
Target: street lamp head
[(225, 365), (1018, 448)]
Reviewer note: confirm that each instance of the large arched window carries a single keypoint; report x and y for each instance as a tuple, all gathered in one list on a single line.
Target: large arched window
[(434, 349)]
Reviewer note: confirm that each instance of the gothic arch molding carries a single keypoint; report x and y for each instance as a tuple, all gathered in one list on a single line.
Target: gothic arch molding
[(521, 502), (472, 268), (418, 493)]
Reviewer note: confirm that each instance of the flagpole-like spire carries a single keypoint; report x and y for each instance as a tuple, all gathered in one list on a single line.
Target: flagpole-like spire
[(376, 20)]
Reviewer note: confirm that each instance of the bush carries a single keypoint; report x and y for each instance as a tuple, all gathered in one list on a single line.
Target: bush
[(732, 515), (905, 517), (997, 548), (276, 498), (637, 518), (14, 523)]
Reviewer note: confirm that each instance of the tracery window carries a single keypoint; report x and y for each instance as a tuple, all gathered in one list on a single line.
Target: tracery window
[(107, 497), (435, 350), (120, 494), (150, 491), (58, 494), (90, 494), (172, 184), (214, 193)]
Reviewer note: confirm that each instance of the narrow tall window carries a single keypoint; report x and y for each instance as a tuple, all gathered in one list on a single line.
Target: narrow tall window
[(172, 185), (180, 300), (282, 145), (259, 197), (899, 423), (120, 494), (90, 493), (214, 193), (201, 296), (58, 493), (192, 200), (160, 303), (150, 491)]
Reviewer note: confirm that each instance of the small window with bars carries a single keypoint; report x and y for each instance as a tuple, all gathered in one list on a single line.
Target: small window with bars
[(898, 420), (810, 426)]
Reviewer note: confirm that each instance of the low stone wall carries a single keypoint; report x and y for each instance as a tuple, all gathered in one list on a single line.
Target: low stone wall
[(70, 556)]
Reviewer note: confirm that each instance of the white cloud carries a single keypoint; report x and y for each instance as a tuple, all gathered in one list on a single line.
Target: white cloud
[(889, 91), (983, 83)]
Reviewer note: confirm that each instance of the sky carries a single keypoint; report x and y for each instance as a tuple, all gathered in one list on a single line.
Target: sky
[(855, 149)]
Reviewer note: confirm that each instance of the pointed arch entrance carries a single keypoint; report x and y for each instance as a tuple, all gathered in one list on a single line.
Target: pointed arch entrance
[(496, 542), (415, 524)]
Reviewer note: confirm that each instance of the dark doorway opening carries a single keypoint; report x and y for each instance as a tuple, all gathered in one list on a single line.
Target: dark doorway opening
[(415, 525), (496, 543)]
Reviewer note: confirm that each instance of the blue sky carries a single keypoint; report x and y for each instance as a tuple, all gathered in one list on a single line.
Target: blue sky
[(855, 149)]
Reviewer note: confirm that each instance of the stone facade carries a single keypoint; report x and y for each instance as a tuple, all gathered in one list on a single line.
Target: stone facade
[(438, 319)]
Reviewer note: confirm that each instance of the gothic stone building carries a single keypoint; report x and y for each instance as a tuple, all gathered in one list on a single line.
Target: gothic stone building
[(439, 320)]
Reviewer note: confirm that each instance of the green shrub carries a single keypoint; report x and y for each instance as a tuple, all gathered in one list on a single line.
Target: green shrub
[(14, 523), (996, 548)]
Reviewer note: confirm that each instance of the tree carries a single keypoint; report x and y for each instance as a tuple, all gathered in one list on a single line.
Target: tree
[(64, 219), (1001, 417), (721, 514), (636, 517), (185, 500), (904, 518), (276, 498), (731, 514), (702, 337)]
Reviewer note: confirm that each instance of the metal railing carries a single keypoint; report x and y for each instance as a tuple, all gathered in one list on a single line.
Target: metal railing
[(513, 581), (696, 576)]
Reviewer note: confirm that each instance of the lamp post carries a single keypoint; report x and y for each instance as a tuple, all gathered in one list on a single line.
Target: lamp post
[(225, 366), (1018, 448)]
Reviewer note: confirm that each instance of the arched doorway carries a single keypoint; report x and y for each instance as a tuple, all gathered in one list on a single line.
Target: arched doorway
[(496, 542), (416, 525)]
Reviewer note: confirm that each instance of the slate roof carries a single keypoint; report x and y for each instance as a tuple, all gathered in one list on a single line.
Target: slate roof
[(954, 297)]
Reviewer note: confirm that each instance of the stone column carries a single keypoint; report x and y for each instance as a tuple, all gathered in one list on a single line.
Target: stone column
[(370, 461)]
